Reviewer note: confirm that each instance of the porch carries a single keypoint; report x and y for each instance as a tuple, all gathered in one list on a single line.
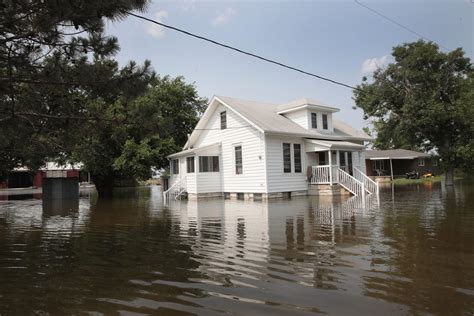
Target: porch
[(338, 163)]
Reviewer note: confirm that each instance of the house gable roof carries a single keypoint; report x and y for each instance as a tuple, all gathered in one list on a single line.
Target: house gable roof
[(304, 103), (264, 117)]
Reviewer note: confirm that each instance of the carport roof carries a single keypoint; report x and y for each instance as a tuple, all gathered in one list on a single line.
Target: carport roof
[(394, 154)]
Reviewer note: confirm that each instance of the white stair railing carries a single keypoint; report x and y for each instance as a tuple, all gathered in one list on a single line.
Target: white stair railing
[(176, 190), (370, 185), (350, 183)]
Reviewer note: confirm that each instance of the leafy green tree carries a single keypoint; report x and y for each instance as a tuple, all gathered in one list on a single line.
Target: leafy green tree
[(423, 100), (149, 128), (53, 57)]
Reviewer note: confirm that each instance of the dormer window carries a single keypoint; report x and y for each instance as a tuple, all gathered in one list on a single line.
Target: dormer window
[(325, 121), (314, 120), (223, 120)]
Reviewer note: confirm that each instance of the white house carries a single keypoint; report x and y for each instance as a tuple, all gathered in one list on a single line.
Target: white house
[(247, 149)]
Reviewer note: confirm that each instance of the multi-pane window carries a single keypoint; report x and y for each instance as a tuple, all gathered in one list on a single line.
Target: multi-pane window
[(175, 166), (325, 121), (190, 164), (208, 163), (286, 157), (223, 120), (421, 162), (314, 120), (297, 157), (238, 159)]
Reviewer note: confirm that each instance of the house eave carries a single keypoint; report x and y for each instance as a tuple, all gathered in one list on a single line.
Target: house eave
[(324, 137), (310, 107)]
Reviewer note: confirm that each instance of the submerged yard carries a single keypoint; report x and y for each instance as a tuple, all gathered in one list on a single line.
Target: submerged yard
[(412, 253)]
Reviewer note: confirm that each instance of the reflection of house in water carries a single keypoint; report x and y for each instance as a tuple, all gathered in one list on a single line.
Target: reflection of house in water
[(297, 239)]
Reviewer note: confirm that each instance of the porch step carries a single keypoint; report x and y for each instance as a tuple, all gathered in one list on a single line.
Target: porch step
[(327, 189)]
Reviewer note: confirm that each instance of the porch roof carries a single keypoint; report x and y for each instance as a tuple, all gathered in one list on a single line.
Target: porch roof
[(211, 149), (324, 145)]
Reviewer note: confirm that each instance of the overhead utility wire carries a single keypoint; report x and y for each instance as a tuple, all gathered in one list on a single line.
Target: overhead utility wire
[(399, 24), (242, 51)]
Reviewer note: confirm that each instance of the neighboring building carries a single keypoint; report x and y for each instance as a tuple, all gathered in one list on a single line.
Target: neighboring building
[(248, 149), (25, 178), (395, 163)]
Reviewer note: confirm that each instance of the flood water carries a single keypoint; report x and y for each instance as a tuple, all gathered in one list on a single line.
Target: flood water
[(411, 254)]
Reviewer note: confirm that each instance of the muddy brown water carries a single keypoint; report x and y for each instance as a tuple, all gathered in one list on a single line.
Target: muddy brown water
[(413, 253)]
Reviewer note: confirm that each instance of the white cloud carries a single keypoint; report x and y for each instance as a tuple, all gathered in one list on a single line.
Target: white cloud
[(372, 64), (154, 29), (187, 5), (224, 17)]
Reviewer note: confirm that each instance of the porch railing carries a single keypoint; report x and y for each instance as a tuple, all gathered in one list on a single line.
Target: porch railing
[(370, 185), (324, 174), (320, 175)]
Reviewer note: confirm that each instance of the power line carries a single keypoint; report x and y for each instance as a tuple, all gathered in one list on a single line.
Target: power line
[(399, 24), (243, 52)]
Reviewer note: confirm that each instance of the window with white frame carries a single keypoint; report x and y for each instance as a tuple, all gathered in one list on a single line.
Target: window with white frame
[(175, 166), (421, 162), (190, 164), (297, 157), (325, 121), (314, 120), (286, 157), (208, 163), (238, 159), (223, 120)]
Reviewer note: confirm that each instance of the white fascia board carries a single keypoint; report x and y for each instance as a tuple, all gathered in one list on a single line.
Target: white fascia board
[(202, 121)]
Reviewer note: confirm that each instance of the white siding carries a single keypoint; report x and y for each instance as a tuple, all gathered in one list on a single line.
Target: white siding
[(300, 117), (208, 182), (362, 162), (311, 158), (277, 180), (238, 132)]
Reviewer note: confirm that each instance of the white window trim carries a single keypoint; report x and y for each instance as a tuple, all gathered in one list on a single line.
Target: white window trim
[(311, 120), (292, 158), (235, 159), (186, 164)]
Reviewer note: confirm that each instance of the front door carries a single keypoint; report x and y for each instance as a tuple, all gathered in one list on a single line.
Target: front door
[(322, 158)]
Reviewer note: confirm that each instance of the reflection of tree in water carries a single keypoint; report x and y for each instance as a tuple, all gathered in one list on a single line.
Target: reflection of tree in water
[(112, 258), (425, 258)]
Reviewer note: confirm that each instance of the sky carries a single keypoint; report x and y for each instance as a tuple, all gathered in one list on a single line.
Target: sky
[(337, 39)]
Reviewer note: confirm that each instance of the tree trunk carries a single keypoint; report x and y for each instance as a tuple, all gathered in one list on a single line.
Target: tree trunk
[(104, 185), (449, 177)]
